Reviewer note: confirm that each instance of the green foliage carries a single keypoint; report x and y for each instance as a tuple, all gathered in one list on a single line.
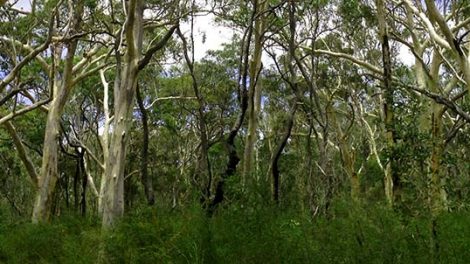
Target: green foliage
[(255, 233), (454, 232), (31, 126), (158, 236), (355, 11), (69, 240), (92, 4)]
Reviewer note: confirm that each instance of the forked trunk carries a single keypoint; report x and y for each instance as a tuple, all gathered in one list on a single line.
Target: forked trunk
[(49, 171)]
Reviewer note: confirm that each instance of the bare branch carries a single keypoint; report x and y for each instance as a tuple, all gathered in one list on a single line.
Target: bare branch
[(170, 98), (24, 110)]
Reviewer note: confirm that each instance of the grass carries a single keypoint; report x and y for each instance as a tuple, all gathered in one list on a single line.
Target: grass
[(236, 234)]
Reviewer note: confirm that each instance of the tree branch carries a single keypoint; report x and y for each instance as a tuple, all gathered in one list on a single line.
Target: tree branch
[(30, 168), (158, 46), (23, 110)]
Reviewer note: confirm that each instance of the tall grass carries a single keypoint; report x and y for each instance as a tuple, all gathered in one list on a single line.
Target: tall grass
[(259, 233)]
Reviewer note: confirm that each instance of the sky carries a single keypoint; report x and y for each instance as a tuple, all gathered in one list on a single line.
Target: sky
[(215, 35)]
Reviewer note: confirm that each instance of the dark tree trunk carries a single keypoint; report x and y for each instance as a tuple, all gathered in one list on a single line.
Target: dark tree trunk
[(76, 179), (277, 154), (391, 180), (233, 158), (84, 184), (147, 180), (67, 193)]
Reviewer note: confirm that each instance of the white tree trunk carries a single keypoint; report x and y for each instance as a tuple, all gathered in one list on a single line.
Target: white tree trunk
[(124, 91), (49, 170)]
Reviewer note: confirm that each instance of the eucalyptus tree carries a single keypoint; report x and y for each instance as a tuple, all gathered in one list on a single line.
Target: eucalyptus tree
[(443, 79), (261, 21), (335, 107), (79, 49), (24, 84), (391, 179), (62, 85), (236, 17), (78, 25), (317, 86), (128, 66)]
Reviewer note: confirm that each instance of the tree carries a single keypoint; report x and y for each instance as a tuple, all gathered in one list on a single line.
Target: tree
[(61, 89), (391, 179), (101, 92), (124, 90), (254, 90)]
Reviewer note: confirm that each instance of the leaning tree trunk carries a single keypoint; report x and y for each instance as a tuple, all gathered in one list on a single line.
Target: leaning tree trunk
[(277, 155), (49, 171), (22, 154), (233, 158), (61, 91)]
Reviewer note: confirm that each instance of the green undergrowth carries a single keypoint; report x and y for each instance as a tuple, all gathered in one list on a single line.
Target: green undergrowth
[(236, 234)]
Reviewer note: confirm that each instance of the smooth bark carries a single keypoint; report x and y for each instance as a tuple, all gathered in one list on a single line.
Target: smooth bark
[(254, 91), (62, 88)]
